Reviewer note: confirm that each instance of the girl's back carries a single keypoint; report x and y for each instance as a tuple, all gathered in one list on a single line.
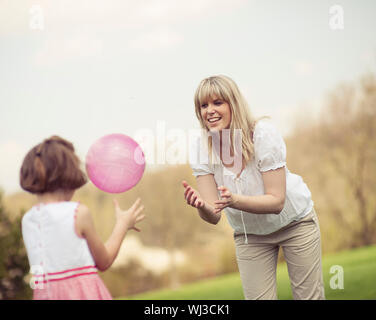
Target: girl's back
[(60, 260)]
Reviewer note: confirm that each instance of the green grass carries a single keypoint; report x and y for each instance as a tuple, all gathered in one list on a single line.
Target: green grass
[(359, 267)]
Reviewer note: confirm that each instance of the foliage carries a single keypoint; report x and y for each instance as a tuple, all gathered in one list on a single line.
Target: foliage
[(13, 259), (336, 156)]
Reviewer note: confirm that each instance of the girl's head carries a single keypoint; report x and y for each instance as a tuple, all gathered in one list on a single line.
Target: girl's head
[(220, 105), (51, 166)]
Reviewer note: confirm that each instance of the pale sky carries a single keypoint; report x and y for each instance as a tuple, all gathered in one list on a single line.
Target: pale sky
[(83, 69)]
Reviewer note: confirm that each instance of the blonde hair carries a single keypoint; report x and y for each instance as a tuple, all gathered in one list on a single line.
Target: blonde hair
[(226, 89)]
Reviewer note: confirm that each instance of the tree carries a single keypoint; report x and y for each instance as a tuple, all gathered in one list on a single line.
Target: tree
[(348, 137), (338, 156)]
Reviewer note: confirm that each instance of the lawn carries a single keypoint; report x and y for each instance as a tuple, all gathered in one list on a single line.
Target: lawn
[(359, 266)]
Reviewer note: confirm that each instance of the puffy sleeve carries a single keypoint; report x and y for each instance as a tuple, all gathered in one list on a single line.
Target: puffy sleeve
[(198, 157), (269, 147)]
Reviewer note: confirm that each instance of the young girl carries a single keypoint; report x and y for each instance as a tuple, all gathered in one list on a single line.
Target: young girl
[(267, 206), (63, 248)]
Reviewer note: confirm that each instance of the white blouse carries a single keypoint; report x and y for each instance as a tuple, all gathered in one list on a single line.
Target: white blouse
[(269, 154)]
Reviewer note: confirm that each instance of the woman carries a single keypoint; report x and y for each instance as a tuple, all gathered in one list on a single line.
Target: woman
[(267, 206)]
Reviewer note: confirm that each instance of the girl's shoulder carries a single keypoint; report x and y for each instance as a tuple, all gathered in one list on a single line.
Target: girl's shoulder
[(82, 209), (28, 215), (51, 212), (83, 218), (52, 206)]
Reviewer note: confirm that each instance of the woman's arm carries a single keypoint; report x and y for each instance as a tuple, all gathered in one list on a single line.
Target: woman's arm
[(272, 201), (204, 198), (105, 254)]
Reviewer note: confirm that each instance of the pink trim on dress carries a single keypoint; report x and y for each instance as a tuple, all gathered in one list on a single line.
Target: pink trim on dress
[(70, 270), (54, 276), (73, 276)]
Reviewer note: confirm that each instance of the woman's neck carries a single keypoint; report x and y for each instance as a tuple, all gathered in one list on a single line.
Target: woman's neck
[(56, 196)]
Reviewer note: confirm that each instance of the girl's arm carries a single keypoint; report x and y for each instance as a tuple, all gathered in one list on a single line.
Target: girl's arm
[(272, 201), (105, 254), (204, 198)]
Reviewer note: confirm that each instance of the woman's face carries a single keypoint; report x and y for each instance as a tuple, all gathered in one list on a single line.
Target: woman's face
[(216, 114)]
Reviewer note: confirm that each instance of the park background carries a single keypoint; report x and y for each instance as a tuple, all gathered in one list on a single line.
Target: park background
[(83, 69)]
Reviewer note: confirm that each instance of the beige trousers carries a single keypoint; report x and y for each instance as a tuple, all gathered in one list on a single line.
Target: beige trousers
[(257, 260)]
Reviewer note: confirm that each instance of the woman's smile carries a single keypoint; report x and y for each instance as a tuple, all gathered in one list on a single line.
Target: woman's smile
[(214, 120)]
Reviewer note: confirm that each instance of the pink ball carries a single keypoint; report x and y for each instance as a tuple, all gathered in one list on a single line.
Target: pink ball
[(115, 163)]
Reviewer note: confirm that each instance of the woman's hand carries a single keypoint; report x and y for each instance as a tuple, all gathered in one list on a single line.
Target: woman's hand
[(227, 199), (131, 216), (192, 197)]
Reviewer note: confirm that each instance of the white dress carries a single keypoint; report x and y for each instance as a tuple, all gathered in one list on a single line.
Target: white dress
[(60, 261)]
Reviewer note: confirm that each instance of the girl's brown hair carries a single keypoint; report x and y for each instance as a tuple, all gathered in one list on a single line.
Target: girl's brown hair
[(50, 166)]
